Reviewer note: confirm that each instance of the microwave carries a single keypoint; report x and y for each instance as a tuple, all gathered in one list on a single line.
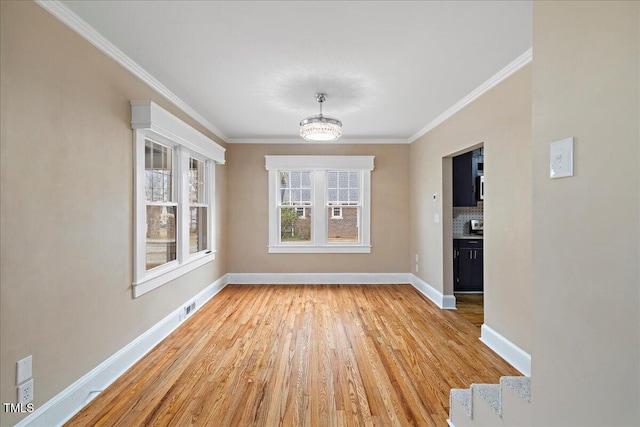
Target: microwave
[(480, 188)]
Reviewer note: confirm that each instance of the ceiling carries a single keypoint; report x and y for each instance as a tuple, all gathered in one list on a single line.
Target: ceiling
[(248, 70)]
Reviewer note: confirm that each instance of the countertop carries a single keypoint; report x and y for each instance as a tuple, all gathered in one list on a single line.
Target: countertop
[(468, 236)]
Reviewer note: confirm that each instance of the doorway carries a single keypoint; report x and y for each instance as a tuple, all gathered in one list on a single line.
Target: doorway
[(463, 233)]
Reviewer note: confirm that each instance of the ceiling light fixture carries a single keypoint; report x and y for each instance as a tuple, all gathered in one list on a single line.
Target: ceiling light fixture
[(319, 127)]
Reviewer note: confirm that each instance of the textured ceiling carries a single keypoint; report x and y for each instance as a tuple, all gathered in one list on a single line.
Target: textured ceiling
[(251, 68)]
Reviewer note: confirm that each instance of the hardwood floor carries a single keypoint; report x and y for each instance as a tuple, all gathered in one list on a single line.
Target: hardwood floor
[(471, 307), (320, 355)]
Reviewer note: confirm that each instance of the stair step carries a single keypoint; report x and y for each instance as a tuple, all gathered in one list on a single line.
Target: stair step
[(490, 393), (462, 395), (520, 385)]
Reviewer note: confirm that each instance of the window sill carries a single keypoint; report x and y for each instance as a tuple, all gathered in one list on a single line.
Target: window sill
[(158, 278), (333, 249)]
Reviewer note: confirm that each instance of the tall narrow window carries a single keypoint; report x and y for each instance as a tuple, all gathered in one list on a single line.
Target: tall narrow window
[(343, 203), (198, 207), (295, 198), (161, 206)]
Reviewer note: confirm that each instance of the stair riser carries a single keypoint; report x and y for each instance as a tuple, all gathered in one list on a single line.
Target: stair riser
[(516, 412), (483, 414)]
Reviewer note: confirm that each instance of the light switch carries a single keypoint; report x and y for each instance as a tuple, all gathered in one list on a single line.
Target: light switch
[(436, 217), (561, 158)]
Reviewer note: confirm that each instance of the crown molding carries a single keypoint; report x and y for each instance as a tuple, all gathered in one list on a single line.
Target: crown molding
[(501, 75), (340, 141), (86, 31)]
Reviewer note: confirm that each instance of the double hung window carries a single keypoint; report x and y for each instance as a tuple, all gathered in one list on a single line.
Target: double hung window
[(319, 204), (174, 192)]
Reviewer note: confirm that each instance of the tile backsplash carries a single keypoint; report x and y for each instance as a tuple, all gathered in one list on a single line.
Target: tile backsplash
[(462, 216)]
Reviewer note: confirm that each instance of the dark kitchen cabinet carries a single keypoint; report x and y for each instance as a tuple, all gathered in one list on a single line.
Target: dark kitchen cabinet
[(467, 265), (467, 168), (464, 180)]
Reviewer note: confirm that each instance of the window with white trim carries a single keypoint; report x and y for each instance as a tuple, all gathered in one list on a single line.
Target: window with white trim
[(174, 193), (319, 204)]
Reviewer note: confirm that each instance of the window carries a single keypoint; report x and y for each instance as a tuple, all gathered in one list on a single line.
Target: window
[(198, 207), (174, 192), (161, 208), (319, 204)]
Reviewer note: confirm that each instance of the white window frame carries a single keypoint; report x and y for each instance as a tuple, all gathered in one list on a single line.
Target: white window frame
[(319, 166), (150, 122)]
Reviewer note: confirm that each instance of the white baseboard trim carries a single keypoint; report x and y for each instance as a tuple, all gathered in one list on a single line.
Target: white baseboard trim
[(445, 302), (70, 401), (517, 357), (317, 278)]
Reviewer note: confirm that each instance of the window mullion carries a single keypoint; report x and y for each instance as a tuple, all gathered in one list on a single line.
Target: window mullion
[(319, 215), (182, 197)]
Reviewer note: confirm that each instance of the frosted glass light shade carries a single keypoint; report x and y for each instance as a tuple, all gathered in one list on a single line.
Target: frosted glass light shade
[(320, 128)]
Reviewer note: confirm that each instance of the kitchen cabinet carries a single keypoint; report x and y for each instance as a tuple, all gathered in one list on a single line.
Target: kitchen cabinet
[(464, 180), (468, 265), (467, 168)]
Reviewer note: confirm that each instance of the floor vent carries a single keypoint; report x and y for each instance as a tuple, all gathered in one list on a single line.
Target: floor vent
[(188, 309)]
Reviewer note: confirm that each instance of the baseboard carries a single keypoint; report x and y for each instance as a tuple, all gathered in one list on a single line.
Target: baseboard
[(71, 400), (317, 278), (518, 358), (446, 302)]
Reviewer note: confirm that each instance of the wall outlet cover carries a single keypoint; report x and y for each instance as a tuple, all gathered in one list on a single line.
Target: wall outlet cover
[(23, 369), (25, 392)]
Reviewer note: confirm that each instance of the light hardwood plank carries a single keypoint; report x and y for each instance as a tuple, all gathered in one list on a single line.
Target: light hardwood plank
[(294, 355)]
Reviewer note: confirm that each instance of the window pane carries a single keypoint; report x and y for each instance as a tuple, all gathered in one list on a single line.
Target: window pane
[(158, 165), (343, 188), (306, 179), (332, 179), (285, 196), (343, 180), (161, 235), (295, 180), (196, 181), (353, 180), (295, 188), (343, 229), (293, 227), (197, 229)]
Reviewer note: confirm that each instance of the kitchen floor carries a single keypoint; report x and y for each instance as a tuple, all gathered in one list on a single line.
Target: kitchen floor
[(471, 307)]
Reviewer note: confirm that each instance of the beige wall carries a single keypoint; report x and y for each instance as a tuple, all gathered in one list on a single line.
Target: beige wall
[(66, 207), (501, 121), (586, 361), (249, 212)]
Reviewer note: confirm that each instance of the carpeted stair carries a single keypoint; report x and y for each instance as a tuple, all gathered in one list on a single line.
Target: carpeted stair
[(507, 404)]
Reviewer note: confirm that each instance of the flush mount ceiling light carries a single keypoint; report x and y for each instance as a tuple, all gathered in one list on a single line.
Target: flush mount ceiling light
[(319, 127)]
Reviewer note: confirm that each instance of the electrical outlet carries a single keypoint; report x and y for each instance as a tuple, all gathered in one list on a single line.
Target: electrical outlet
[(417, 268), (416, 258), (436, 217), (23, 369), (25, 393)]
